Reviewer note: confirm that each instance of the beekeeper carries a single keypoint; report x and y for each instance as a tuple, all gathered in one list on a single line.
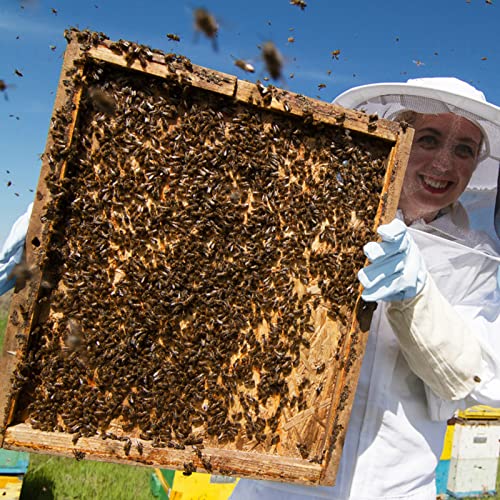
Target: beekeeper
[(434, 341)]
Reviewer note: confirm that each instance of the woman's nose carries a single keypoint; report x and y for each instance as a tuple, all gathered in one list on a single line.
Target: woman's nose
[(443, 158)]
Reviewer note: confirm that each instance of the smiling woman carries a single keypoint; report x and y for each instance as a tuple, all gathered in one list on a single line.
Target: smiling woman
[(444, 155)]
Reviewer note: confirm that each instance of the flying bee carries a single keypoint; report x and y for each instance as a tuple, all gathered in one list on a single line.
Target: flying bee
[(18, 73), (335, 54), (244, 65), (74, 339), (4, 86), (21, 273), (173, 37), (299, 3), (102, 100), (206, 23), (273, 60)]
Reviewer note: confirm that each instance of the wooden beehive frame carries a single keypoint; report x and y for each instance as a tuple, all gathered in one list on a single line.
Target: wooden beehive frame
[(261, 465)]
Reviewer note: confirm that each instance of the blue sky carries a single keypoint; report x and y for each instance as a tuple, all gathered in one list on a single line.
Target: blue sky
[(385, 40)]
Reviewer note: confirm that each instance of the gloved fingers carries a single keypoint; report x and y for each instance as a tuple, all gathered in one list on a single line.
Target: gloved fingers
[(393, 231), (382, 269), (389, 289), (374, 250), (401, 285)]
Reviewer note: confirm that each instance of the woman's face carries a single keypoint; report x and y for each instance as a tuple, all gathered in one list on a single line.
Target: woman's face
[(444, 154)]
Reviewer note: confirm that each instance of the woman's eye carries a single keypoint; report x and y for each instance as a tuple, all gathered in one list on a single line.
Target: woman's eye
[(428, 141), (464, 151)]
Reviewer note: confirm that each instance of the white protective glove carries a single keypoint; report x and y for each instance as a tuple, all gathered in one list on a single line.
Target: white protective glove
[(397, 270), (12, 251)]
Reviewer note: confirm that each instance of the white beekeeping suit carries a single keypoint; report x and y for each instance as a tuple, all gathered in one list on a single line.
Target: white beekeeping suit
[(429, 355), (13, 249)]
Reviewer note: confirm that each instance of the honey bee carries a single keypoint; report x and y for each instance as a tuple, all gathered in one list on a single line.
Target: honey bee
[(189, 468), (74, 339), (3, 86), (102, 101), (335, 54), (18, 73), (127, 446), (273, 60), (205, 22), (140, 447), (173, 37), (244, 65), (321, 86), (79, 455), (21, 273), (299, 3)]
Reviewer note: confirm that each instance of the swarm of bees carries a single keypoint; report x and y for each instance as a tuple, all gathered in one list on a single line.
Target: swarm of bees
[(194, 245)]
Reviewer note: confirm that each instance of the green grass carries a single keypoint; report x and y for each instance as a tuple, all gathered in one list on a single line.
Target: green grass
[(60, 478)]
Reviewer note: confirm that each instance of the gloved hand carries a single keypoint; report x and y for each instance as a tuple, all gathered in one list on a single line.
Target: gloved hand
[(397, 270)]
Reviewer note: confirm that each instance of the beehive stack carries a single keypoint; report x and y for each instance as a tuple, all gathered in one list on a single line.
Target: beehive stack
[(199, 288)]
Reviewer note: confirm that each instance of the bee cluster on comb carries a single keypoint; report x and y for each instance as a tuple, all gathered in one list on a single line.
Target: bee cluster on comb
[(202, 258)]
